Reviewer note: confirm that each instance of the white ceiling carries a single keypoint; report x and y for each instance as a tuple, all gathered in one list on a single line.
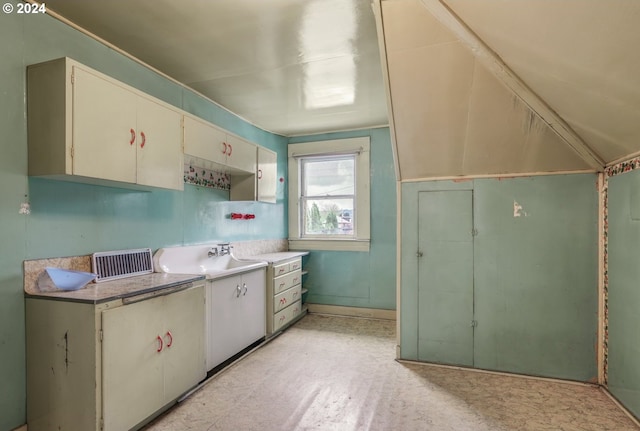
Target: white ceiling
[(288, 66), (475, 87)]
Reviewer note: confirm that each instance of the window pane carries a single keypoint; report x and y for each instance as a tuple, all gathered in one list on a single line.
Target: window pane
[(328, 176), (328, 217)]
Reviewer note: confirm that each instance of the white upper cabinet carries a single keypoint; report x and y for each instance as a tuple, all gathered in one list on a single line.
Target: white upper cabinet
[(252, 168), (267, 175), (241, 154), (204, 140), (85, 126), (208, 142)]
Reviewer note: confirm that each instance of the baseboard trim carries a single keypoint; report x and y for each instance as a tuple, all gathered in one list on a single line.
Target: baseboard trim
[(21, 428), (338, 310), (620, 406), (499, 373)]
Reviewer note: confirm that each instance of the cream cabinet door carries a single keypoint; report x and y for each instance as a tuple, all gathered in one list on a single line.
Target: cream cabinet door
[(267, 175), (253, 306), (159, 146), (204, 141), (132, 369), (241, 154), (184, 357), (226, 320), (104, 128)]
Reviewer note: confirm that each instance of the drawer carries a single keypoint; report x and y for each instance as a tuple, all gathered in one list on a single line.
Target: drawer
[(280, 269), (295, 264), (283, 317), (282, 283), (286, 298)]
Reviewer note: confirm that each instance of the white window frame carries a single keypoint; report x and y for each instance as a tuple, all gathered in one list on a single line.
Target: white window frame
[(361, 148)]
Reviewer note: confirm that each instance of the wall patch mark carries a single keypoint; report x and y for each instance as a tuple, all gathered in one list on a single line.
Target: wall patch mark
[(518, 211)]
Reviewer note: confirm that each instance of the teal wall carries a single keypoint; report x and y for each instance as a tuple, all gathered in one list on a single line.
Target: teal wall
[(534, 276), (624, 290), (361, 279), (71, 219)]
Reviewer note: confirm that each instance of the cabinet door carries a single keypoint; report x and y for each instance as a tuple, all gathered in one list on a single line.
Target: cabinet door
[(267, 175), (132, 370), (241, 154), (183, 334), (159, 146), (253, 306), (226, 320), (204, 141), (104, 128)]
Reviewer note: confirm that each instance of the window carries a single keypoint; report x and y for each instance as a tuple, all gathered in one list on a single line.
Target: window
[(329, 195)]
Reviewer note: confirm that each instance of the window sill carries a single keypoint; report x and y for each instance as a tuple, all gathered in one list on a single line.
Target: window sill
[(329, 244)]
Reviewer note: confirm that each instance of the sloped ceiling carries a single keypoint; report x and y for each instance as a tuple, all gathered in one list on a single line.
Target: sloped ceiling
[(454, 115)]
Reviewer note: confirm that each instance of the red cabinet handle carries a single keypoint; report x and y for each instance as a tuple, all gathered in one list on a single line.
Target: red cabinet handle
[(230, 150), (133, 136), (224, 149), (144, 139), (161, 345), (168, 334), (259, 174)]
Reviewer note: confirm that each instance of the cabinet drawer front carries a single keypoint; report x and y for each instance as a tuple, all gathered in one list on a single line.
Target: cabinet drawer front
[(281, 269), (286, 298), (296, 264), (285, 316), (280, 284)]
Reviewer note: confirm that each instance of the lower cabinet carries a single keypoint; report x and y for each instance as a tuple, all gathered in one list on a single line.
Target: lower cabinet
[(235, 315), (284, 294), (160, 333), (110, 366)]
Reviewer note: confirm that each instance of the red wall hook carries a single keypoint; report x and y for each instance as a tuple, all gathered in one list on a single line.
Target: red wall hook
[(238, 216)]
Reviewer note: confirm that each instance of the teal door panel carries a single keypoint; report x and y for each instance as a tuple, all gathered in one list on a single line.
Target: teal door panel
[(535, 276), (445, 277), (624, 294)]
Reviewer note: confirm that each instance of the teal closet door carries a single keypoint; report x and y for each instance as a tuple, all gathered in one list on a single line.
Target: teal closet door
[(445, 277)]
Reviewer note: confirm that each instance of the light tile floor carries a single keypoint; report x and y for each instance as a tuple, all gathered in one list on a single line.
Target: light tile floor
[(335, 373)]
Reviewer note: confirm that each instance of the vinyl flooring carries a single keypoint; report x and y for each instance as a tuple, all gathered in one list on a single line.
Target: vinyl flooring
[(331, 373)]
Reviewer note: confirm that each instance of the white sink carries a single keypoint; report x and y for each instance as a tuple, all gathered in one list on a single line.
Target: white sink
[(196, 259)]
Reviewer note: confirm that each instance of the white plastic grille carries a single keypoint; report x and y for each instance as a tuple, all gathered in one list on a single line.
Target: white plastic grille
[(110, 265)]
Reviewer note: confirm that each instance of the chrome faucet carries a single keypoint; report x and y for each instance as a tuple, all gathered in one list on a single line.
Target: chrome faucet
[(225, 248), (213, 251)]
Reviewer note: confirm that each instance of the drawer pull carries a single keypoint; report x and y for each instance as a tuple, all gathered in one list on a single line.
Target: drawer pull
[(170, 335), (245, 289), (160, 344), (295, 280), (282, 284), (238, 291)]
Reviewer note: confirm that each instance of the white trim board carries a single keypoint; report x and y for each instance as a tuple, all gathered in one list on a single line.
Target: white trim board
[(339, 310)]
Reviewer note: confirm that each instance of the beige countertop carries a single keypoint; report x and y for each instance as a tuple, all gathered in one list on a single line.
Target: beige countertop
[(119, 289), (277, 256)]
